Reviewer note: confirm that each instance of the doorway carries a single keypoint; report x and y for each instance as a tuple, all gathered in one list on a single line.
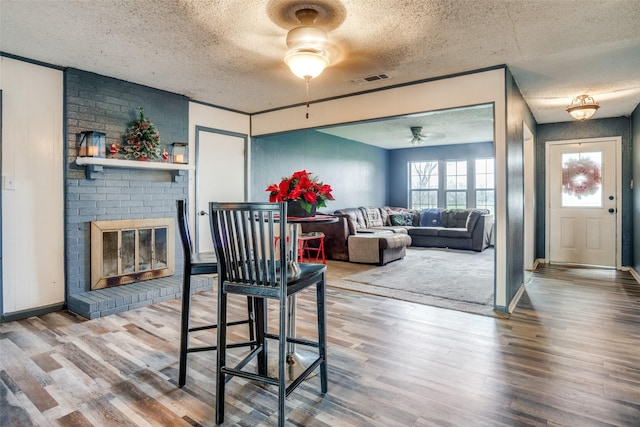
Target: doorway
[(583, 202), (221, 175)]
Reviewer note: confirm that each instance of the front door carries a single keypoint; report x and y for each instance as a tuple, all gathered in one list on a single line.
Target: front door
[(583, 202), (220, 176)]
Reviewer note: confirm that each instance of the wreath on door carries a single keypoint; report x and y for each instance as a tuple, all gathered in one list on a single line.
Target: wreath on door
[(581, 177)]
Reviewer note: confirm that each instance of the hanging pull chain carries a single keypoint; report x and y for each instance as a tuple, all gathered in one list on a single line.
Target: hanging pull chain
[(307, 80)]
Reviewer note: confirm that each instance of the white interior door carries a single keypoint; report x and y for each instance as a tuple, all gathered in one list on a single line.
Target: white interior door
[(220, 176), (583, 203)]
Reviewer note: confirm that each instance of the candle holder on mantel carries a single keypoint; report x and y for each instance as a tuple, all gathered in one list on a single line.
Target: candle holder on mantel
[(91, 144), (180, 152)]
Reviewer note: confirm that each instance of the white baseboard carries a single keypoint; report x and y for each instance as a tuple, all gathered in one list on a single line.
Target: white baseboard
[(633, 272), (516, 299)]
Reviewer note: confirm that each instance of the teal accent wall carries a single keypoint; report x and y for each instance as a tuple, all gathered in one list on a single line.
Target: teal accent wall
[(517, 113), (358, 173), (399, 161)]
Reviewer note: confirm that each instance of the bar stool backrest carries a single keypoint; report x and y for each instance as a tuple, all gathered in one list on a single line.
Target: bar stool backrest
[(183, 226), (243, 236)]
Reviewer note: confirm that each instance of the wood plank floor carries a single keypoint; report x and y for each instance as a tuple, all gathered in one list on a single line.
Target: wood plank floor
[(568, 356)]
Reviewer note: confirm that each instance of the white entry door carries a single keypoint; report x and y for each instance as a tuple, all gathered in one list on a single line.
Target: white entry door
[(583, 203), (220, 176)]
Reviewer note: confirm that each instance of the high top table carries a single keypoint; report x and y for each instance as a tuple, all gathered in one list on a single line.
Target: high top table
[(297, 361)]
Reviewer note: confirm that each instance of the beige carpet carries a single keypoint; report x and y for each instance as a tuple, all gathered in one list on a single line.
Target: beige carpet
[(453, 279)]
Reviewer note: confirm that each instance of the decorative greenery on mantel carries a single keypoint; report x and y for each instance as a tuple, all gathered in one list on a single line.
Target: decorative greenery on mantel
[(143, 139)]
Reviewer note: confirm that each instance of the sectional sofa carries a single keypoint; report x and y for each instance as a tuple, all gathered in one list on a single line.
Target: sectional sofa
[(362, 231)]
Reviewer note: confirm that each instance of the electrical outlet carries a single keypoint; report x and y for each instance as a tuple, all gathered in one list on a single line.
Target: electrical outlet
[(9, 182)]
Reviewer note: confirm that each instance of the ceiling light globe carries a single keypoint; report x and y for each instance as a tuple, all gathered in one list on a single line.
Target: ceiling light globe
[(582, 113), (582, 107), (306, 65)]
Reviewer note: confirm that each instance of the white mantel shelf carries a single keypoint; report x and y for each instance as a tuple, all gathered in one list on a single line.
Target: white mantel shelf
[(133, 164), (95, 164)]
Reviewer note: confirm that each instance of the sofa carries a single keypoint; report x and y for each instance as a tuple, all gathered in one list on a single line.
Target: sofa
[(444, 228)]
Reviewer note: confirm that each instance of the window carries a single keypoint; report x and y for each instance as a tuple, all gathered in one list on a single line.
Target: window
[(452, 184), (456, 185), (423, 185), (581, 180), (485, 184)]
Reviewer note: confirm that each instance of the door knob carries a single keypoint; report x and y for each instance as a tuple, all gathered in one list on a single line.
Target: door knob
[(611, 210), (202, 213)]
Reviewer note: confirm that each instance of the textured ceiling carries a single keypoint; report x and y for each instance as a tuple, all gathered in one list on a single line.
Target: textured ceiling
[(454, 126), (230, 52)]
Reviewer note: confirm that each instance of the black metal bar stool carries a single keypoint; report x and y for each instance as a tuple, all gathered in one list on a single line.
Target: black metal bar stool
[(196, 264), (249, 264)]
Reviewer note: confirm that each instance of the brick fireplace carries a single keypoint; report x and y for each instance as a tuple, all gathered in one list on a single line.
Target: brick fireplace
[(131, 250), (119, 195), (94, 102)]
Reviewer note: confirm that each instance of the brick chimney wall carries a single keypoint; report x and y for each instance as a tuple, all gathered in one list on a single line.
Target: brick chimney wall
[(95, 102)]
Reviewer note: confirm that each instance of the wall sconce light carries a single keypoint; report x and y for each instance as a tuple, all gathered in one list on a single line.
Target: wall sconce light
[(91, 144), (180, 152), (582, 107)]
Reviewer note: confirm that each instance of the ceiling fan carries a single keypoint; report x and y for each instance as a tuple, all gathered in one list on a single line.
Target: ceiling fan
[(417, 137)]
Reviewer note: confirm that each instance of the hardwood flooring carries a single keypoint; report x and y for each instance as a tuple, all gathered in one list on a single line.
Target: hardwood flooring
[(568, 356)]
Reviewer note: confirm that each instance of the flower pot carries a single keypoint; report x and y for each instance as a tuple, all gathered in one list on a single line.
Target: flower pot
[(295, 209)]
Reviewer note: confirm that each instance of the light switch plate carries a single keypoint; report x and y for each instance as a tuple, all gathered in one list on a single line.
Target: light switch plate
[(9, 182)]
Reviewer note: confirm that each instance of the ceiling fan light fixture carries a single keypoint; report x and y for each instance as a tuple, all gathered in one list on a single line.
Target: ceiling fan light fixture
[(307, 56), (582, 107), (306, 64)]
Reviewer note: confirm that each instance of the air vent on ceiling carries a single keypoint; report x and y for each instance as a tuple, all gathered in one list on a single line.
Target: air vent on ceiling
[(371, 79)]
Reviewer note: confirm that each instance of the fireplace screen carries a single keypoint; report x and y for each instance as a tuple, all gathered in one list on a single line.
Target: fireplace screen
[(128, 251)]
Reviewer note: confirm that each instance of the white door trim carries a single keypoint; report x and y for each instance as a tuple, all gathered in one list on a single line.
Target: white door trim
[(528, 142), (618, 143), (197, 199)]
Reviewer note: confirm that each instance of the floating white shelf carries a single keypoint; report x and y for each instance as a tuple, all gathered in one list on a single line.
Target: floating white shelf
[(133, 164)]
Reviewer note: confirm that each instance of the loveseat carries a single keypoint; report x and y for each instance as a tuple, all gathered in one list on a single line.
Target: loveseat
[(445, 228)]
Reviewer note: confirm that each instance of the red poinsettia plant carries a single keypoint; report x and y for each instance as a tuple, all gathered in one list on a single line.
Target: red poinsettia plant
[(302, 186)]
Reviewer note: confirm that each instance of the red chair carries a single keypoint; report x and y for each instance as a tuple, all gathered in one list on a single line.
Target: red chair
[(311, 247)]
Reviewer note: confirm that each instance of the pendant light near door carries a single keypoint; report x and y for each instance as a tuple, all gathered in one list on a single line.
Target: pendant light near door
[(307, 56)]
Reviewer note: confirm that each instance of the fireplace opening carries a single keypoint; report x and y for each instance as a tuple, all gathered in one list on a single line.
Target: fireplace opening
[(128, 251)]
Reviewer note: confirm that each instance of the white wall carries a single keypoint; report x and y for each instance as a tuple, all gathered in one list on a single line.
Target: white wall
[(471, 89), (32, 213)]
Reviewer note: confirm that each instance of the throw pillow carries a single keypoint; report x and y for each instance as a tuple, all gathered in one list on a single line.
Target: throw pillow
[(391, 211), (431, 218), (401, 219), (373, 217)]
